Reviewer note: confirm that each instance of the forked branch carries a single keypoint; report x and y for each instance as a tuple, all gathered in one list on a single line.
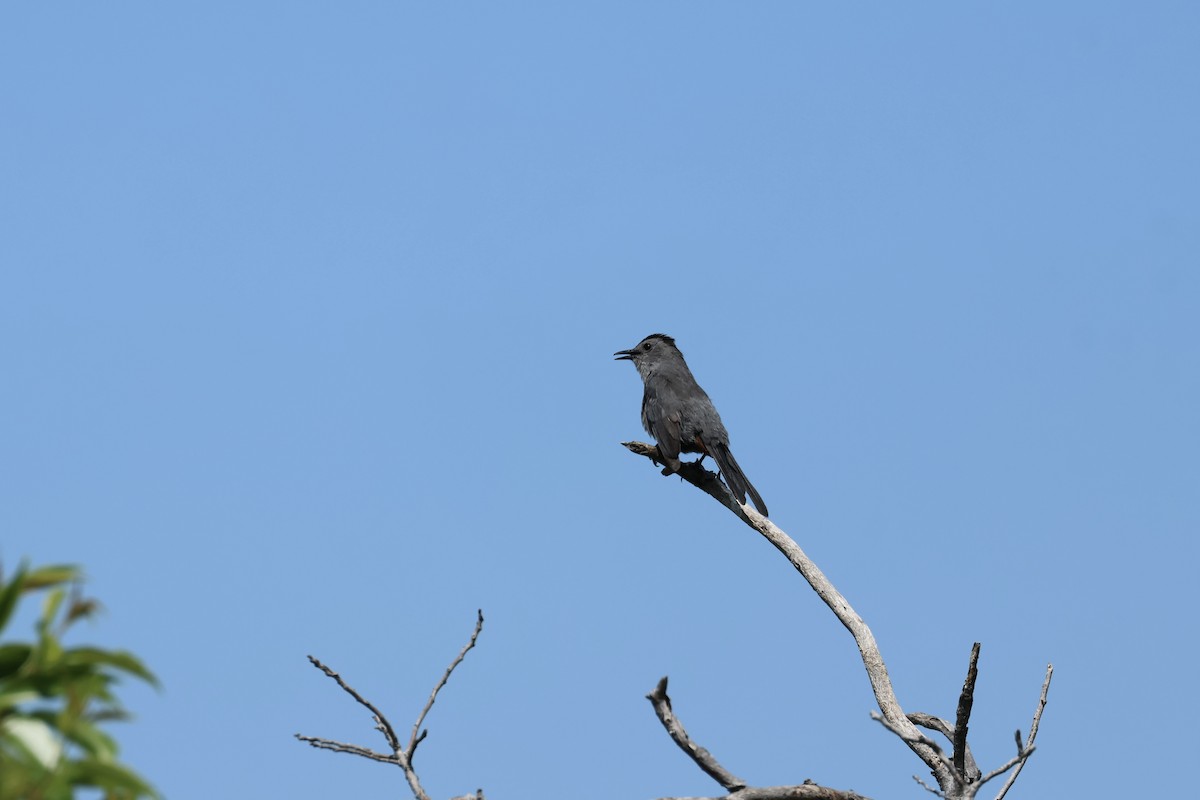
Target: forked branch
[(416, 739), (881, 684), (400, 755), (1024, 753), (736, 787), (957, 775)]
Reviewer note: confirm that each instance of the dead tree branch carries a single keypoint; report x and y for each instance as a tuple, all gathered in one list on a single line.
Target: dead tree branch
[(965, 701), (704, 759), (415, 740), (401, 756), (946, 729), (737, 788), (881, 684), (1033, 729), (802, 791), (958, 777)]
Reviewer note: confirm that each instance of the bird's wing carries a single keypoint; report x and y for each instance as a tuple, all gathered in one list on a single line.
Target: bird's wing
[(668, 434), (663, 426)]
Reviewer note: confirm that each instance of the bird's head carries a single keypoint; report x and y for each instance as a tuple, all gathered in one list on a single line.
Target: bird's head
[(650, 353)]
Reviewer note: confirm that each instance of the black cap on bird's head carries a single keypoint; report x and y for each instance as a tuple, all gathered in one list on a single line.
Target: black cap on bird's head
[(645, 347), (654, 352)]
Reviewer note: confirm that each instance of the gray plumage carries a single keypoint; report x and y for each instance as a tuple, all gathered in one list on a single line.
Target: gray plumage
[(679, 415)]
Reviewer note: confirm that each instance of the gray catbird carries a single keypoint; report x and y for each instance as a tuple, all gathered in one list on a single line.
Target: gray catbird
[(679, 415)]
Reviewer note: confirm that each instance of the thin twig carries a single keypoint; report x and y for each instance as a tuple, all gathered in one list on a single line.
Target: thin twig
[(380, 721), (704, 759), (803, 791), (1019, 758), (927, 787), (1033, 729), (342, 747), (416, 738), (915, 737), (965, 701), (945, 729), (398, 756)]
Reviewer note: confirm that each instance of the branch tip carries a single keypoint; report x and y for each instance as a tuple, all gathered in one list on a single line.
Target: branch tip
[(416, 737), (966, 700)]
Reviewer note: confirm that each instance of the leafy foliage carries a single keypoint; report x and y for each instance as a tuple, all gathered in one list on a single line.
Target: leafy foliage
[(54, 699)]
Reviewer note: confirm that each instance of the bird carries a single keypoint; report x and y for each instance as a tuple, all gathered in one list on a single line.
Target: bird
[(679, 415)]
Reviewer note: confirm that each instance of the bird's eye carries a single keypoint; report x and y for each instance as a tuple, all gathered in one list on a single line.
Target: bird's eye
[(647, 346)]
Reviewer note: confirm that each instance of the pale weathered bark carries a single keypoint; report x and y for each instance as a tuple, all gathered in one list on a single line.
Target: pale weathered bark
[(957, 776), (401, 755)]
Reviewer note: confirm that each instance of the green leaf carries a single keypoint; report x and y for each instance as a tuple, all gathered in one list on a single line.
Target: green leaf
[(9, 593), (12, 658), (92, 740), (35, 738), (12, 696), (50, 608), (110, 777), (55, 700), (55, 575), (120, 659)]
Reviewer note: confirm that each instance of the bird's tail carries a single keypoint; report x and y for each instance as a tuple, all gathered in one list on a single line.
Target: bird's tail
[(735, 479)]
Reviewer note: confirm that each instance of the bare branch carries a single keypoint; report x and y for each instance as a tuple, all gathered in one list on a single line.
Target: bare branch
[(381, 722), (965, 702), (738, 790), (1019, 758), (342, 747), (928, 788), (946, 729), (1033, 729), (398, 757), (959, 777), (908, 738), (401, 756), (877, 673), (704, 759), (416, 738), (932, 723), (696, 475), (803, 791)]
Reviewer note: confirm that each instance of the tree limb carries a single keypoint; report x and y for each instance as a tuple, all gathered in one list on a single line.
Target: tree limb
[(1033, 729), (737, 788), (401, 756), (958, 777), (417, 739), (704, 759), (965, 701), (881, 684), (803, 791), (398, 756), (342, 747), (946, 729), (915, 737)]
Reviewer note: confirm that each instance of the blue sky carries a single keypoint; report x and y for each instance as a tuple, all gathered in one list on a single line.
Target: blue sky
[(306, 318)]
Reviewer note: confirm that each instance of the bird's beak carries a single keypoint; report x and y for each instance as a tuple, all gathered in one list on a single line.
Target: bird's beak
[(623, 355)]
